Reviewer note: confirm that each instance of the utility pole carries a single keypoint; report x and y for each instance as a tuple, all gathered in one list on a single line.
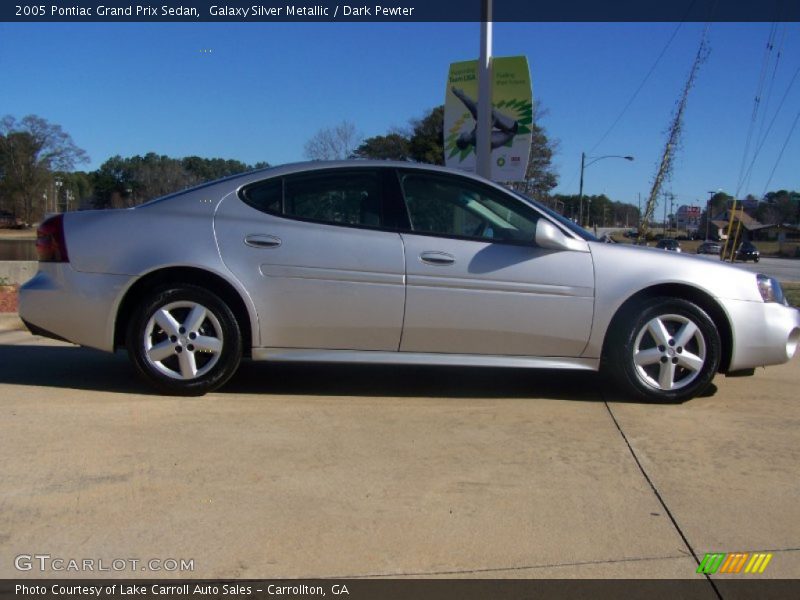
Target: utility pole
[(672, 213), (639, 214), (483, 148), (665, 166)]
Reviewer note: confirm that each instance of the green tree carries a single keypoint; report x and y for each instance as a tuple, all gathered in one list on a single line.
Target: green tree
[(717, 204), (426, 144), (540, 176), (392, 146), (779, 207), (121, 182), (423, 142), (31, 149), (209, 169), (75, 187)]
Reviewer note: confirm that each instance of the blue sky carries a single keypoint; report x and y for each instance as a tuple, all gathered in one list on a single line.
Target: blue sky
[(265, 88)]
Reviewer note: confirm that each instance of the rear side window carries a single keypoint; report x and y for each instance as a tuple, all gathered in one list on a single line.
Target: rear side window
[(266, 196), (342, 198), (351, 198)]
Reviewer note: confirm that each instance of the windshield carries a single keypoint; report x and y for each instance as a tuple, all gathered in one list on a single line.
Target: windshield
[(562, 220)]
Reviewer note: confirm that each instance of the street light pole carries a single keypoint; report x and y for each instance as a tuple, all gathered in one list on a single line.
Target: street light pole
[(57, 188), (584, 164), (483, 148), (708, 212), (580, 193)]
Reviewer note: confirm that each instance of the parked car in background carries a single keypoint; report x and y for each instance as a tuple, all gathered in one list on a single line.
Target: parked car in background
[(709, 247), (9, 221), (747, 251), (391, 262), (671, 245)]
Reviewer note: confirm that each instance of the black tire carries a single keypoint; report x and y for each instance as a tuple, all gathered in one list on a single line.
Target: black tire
[(199, 356), (668, 369)]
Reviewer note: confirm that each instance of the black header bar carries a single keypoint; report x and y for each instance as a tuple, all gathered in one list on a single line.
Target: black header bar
[(265, 11)]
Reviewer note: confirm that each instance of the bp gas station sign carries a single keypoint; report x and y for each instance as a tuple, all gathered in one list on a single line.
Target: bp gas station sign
[(512, 116)]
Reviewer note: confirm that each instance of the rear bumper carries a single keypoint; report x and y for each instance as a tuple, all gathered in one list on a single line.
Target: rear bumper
[(63, 303), (763, 333)]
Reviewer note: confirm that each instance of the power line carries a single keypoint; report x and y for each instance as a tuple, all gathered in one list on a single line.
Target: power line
[(771, 123), (780, 155), (638, 89), (756, 105), (636, 92), (772, 83)]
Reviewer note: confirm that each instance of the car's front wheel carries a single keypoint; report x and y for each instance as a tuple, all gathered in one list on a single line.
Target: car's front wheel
[(666, 350), (184, 340)]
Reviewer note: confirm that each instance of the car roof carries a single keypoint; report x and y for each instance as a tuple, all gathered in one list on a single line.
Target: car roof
[(241, 179), (323, 165)]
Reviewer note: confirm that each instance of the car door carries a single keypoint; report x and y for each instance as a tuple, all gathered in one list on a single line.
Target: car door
[(476, 283), (321, 267)]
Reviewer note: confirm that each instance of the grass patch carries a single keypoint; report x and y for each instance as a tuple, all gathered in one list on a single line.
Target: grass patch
[(792, 291)]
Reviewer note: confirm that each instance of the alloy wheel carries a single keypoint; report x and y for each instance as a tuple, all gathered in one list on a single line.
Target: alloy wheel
[(669, 352), (183, 340)]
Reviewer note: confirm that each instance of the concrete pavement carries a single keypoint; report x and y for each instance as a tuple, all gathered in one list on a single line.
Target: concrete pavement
[(314, 471)]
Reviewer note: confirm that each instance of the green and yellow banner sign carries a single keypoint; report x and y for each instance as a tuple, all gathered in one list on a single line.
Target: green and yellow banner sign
[(734, 563), (512, 116)]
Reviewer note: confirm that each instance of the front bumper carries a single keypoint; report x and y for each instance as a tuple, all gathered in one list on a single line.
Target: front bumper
[(764, 333), (78, 307)]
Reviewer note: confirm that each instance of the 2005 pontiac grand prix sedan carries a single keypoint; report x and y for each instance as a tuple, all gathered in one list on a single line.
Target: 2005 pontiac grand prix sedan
[(380, 262)]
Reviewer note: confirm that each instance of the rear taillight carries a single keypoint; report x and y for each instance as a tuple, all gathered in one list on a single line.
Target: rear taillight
[(51, 246)]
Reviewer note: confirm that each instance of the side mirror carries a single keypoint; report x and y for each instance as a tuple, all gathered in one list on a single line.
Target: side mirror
[(551, 237)]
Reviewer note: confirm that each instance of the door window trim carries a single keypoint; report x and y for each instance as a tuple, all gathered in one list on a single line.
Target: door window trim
[(385, 185), (489, 190)]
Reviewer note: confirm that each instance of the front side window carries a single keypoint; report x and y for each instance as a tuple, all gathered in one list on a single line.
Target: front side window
[(447, 206)]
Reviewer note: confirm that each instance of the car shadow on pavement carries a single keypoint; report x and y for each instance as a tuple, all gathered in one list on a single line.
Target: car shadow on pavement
[(413, 381), (69, 367), (91, 370)]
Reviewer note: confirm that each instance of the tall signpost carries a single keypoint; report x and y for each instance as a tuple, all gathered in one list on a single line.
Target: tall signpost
[(510, 119), (488, 112), (483, 148)]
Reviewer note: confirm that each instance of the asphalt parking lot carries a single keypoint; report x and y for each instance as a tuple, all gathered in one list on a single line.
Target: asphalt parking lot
[(297, 471)]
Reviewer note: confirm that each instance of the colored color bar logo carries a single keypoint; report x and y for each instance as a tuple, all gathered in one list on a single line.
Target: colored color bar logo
[(734, 563)]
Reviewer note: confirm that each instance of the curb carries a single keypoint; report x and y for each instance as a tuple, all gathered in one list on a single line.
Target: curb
[(18, 271), (11, 322)]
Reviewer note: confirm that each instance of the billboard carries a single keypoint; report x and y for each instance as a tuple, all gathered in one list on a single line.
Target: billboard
[(512, 115)]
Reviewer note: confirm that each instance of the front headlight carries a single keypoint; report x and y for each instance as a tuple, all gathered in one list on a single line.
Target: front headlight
[(770, 289)]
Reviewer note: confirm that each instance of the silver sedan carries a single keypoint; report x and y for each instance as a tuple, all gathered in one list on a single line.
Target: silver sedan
[(378, 262)]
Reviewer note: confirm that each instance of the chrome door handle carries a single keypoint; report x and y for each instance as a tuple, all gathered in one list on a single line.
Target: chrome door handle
[(434, 257), (262, 241)]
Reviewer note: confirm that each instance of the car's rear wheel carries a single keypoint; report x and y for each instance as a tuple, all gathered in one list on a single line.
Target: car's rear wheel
[(184, 340), (665, 350)]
